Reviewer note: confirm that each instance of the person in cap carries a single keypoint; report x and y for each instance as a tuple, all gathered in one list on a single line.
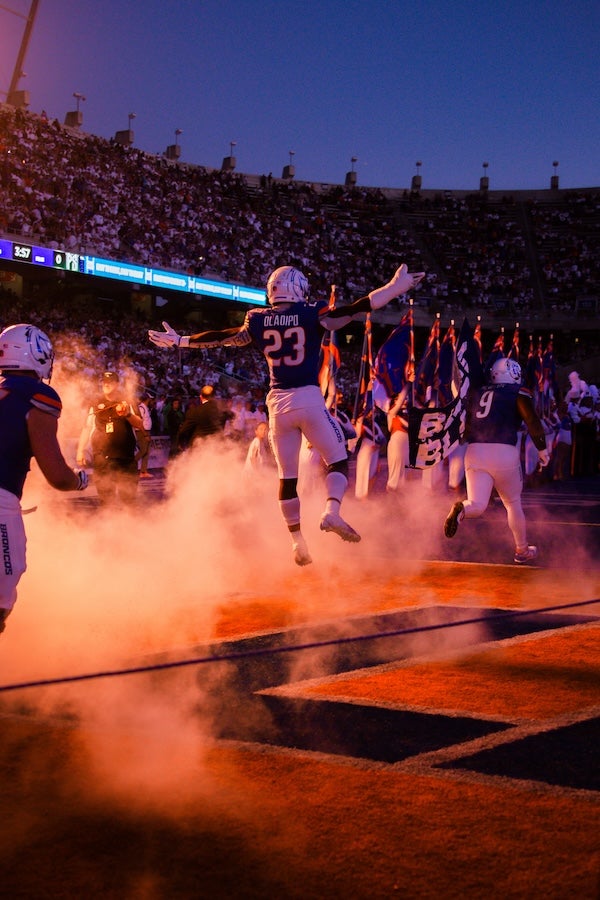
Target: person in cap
[(289, 331), (109, 431), (29, 413)]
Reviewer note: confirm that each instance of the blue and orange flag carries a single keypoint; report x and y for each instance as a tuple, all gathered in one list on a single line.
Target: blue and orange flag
[(394, 364), (329, 357), (534, 371), (550, 385), (477, 337), (496, 353), (330, 361), (514, 352), (446, 366), (427, 375), (363, 399)]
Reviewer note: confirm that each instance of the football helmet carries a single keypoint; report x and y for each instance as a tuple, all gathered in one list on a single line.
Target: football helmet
[(27, 349), (505, 371), (287, 285)]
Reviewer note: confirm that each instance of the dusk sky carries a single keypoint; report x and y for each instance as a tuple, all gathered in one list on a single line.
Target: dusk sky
[(449, 84)]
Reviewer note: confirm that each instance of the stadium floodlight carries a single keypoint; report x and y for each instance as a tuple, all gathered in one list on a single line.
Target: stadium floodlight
[(484, 181), (416, 182), (289, 170), (351, 175), (229, 162)]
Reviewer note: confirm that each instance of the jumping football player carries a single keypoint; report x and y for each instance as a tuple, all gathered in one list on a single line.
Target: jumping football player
[(289, 333)]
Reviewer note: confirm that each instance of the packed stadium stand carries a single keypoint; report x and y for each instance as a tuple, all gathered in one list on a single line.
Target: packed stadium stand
[(528, 256)]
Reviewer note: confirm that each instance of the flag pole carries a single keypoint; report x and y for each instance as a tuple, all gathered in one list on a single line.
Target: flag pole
[(361, 374), (412, 361)]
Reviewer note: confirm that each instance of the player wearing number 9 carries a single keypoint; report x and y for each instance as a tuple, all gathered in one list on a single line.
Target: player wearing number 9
[(289, 333), (495, 412)]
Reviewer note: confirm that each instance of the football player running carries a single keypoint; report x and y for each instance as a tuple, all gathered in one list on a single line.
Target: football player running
[(288, 332), (492, 459), (29, 412)]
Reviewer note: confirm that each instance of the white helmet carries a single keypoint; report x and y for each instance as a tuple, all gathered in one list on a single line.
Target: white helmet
[(27, 349), (287, 285), (505, 371)]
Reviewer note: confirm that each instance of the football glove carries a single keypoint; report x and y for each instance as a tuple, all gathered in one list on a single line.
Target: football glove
[(544, 458), (402, 282), (82, 478), (168, 337)]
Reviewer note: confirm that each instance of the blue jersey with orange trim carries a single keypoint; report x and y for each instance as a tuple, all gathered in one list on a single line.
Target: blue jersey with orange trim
[(289, 336), (18, 394), (492, 414)]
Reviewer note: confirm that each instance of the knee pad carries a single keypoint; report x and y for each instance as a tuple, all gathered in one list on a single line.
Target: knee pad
[(288, 488), (341, 466)]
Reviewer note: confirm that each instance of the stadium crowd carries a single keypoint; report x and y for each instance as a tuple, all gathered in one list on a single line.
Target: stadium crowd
[(78, 192), (74, 191)]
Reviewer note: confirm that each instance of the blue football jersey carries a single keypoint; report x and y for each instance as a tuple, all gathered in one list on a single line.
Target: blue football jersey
[(492, 414), (18, 393), (290, 336)]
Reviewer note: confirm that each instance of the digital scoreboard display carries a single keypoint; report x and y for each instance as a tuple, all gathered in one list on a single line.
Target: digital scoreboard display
[(130, 272)]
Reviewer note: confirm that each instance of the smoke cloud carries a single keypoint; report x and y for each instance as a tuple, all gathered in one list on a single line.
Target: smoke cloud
[(114, 588)]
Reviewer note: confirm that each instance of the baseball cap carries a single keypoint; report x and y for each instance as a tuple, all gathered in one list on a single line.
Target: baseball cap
[(110, 376), (207, 391)]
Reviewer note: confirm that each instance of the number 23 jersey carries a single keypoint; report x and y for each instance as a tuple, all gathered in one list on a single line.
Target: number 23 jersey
[(289, 336), (493, 416)]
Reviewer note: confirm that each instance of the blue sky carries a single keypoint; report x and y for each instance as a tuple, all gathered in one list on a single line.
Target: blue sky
[(449, 84)]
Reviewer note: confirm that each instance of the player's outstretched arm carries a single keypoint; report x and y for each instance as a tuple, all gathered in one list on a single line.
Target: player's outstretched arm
[(170, 338), (402, 282)]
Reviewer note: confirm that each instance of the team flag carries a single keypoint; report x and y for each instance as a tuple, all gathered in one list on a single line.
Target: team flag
[(497, 352), (534, 371), (434, 433), (446, 366), (549, 382), (330, 361), (477, 337), (363, 399), (513, 353), (394, 364), (427, 375)]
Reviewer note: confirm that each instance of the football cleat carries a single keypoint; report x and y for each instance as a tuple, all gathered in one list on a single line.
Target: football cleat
[(329, 522), (455, 515), (526, 555), (301, 555)]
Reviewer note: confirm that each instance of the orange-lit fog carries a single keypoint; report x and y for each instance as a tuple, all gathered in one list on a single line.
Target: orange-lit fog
[(111, 589)]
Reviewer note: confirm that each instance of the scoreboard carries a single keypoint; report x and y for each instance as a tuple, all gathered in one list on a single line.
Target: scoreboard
[(130, 272)]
